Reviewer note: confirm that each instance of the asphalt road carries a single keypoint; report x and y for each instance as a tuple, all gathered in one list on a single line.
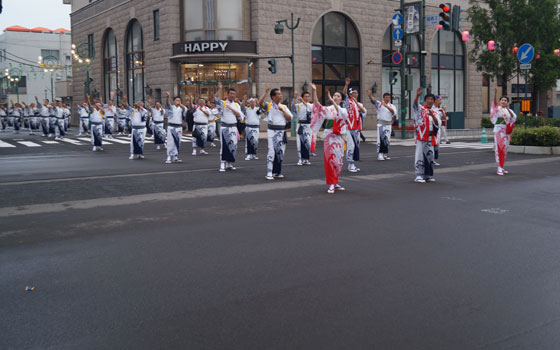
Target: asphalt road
[(143, 255)]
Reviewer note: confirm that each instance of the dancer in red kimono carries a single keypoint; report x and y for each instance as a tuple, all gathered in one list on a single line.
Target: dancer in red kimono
[(503, 119), (335, 127)]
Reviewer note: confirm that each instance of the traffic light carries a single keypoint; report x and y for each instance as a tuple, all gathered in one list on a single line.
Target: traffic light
[(445, 16), (456, 18), (272, 66), (394, 78)]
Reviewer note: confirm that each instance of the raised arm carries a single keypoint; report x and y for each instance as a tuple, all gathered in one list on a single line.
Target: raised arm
[(418, 93), (167, 105), (263, 96), (346, 84), (315, 98)]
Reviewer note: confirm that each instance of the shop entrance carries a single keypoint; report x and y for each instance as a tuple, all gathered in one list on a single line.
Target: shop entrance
[(201, 79)]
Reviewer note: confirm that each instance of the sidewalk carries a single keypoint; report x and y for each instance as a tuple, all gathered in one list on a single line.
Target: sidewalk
[(453, 134)]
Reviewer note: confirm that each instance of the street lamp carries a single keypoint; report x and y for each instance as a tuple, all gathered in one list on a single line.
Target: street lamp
[(50, 63), (279, 29), (84, 52)]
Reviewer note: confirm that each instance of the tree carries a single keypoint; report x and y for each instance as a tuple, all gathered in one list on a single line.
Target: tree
[(511, 23)]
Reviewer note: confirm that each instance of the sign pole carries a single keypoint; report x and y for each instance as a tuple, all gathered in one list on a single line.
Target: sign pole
[(403, 82), (526, 78)]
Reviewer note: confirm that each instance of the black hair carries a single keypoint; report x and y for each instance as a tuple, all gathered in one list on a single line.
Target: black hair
[(273, 92), (507, 98), (305, 93), (430, 95), (341, 95), (387, 94), (177, 97), (230, 90)]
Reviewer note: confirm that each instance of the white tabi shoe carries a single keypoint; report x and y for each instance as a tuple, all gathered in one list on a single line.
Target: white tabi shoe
[(269, 177), (386, 157), (299, 162), (194, 152), (331, 189), (132, 156), (430, 179), (248, 157), (380, 157), (203, 152), (419, 179), (337, 187), (168, 160), (140, 156)]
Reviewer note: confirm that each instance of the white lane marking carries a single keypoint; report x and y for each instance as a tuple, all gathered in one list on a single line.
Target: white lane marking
[(497, 211), (29, 144), (5, 144), (219, 191), (48, 142), (148, 141), (74, 142), (84, 139), (119, 141)]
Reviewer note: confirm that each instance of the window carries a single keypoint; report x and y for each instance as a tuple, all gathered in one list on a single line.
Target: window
[(14, 88), (448, 70), (52, 54), (485, 94), (156, 25), (135, 62), (90, 45), (389, 68), (110, 66), (213, 19), (335, 54)]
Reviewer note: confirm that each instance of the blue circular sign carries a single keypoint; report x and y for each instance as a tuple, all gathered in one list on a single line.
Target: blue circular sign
[(397, 33), (396, 57), (397, 19), (526, 53)]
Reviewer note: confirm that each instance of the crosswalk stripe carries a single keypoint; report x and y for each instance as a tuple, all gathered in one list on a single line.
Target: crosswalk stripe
[(114, 139), (5, 144), (50, 142), (29, 144), (74, 142), (84, 139)]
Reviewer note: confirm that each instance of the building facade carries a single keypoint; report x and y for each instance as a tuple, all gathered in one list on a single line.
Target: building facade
[(21, 75), (145, 48)]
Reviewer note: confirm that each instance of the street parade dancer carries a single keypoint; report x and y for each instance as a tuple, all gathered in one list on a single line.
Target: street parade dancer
[(138, 117), (96, 121), (214, 115), (426, 125), (333, 145), (60, 116), (44, 113), (504, 120), (34, 118), (303, 110), (386, 113), (53, 123), (252, 128), (110, 112), (200, 127), (3, 117), (231, 113), (354, 126), (175, 115), (439, 115), (157, 118), (277, 115), (83, 112), (123, 119), (16, 113)]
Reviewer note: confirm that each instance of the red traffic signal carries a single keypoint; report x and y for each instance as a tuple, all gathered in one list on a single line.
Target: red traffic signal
[(445, 16)]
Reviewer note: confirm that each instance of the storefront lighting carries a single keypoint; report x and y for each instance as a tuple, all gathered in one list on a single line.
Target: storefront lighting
[(201, 65), (74, 46)]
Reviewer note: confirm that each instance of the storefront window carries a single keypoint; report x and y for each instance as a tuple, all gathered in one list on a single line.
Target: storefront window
[(213, 19), (335, 54), (201, 79), (135, 62), (448, 70), (110, 66)]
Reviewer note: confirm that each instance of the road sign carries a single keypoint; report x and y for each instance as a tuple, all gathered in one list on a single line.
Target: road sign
[(396, 57), (431, 20), (397, 19), (397, 33), (526, 53), (411, 17), (525, 66), (397, 43)]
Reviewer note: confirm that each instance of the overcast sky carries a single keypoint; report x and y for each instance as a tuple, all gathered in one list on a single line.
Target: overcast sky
[(51, 14)]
